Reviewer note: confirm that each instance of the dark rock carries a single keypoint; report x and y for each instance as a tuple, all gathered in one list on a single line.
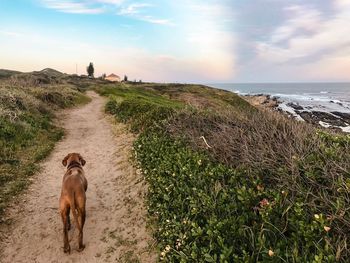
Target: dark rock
[(336, 102), (307, 116), (316, 116), (342, 115), (295, 106)]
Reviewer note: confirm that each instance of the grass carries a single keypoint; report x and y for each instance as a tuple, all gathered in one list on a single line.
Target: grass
[(144, 108), (27, 132), (263, 188)]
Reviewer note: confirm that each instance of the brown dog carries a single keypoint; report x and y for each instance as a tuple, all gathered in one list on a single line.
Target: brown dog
[(73, 197)]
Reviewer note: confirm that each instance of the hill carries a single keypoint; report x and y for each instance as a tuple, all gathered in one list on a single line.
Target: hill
[(5, 73), (232, 183), (50, 72)]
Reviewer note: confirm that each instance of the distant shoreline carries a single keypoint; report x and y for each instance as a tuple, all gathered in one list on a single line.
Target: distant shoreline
[(335, 120)]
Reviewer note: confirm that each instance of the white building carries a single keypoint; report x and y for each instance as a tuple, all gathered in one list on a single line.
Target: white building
[(113, 78)]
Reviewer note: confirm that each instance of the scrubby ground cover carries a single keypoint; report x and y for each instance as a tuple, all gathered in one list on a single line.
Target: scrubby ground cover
[(27, 132), (230, 183)]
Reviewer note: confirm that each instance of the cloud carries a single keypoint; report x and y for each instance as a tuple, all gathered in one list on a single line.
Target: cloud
[(158, 21), (306, 35), (133, 9), (342, 3), (72, 7), (137, 11), (303, 19), (113, 2), (308, 41)]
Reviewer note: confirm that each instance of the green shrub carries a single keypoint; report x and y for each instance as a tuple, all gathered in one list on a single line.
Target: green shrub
[(139, 114), (141, 109), (207, 212)]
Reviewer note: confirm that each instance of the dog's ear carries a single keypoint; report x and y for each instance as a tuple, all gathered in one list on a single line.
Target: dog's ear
[(64, 161), (82, 161)]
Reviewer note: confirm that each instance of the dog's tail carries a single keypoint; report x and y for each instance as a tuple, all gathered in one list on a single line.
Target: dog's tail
[(74, 211)]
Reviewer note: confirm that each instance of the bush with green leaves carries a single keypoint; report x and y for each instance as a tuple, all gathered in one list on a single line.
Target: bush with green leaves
[(207, 212)]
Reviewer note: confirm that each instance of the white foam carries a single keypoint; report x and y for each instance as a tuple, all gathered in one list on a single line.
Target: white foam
[(345, 129), (327, 125), (284, 107), (324, 124)]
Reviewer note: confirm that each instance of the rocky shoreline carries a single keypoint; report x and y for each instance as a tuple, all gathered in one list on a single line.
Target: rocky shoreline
[(334, 120)]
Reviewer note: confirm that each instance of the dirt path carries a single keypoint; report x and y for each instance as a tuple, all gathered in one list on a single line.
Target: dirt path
[(115, 229)]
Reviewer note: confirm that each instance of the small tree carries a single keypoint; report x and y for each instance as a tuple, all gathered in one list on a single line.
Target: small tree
[(125, 78), (90, 70), (103, 76)]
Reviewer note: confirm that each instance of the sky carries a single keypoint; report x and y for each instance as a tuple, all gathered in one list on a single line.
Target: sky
[(180, 41)]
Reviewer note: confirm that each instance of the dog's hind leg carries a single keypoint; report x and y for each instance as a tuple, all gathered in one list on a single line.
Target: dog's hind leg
[(68, 219), (81, 218), (64, 213)]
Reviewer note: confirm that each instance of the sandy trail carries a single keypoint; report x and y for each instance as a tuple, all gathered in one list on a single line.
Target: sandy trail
[(115, 229)]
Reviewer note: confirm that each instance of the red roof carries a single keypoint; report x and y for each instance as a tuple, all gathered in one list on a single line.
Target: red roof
[(113, 76)]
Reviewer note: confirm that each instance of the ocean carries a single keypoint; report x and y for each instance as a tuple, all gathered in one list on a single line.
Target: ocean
[(322, 97)]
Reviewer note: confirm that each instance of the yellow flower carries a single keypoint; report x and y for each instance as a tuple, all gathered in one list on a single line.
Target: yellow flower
[(327, 228), (167, 248), (271, 253), (316, 216)]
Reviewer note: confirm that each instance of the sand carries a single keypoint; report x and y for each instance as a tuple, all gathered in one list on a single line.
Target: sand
[(115, 229)]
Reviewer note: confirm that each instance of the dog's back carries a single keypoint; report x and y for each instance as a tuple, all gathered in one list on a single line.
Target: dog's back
[(73, 197), (74, 181), (73, 190)]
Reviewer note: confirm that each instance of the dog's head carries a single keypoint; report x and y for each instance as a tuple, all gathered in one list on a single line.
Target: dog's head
[(73, 157)]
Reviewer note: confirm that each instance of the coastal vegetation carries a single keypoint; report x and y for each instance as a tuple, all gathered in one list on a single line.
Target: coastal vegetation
[(227, 182), (27, 129), (232, 183)]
